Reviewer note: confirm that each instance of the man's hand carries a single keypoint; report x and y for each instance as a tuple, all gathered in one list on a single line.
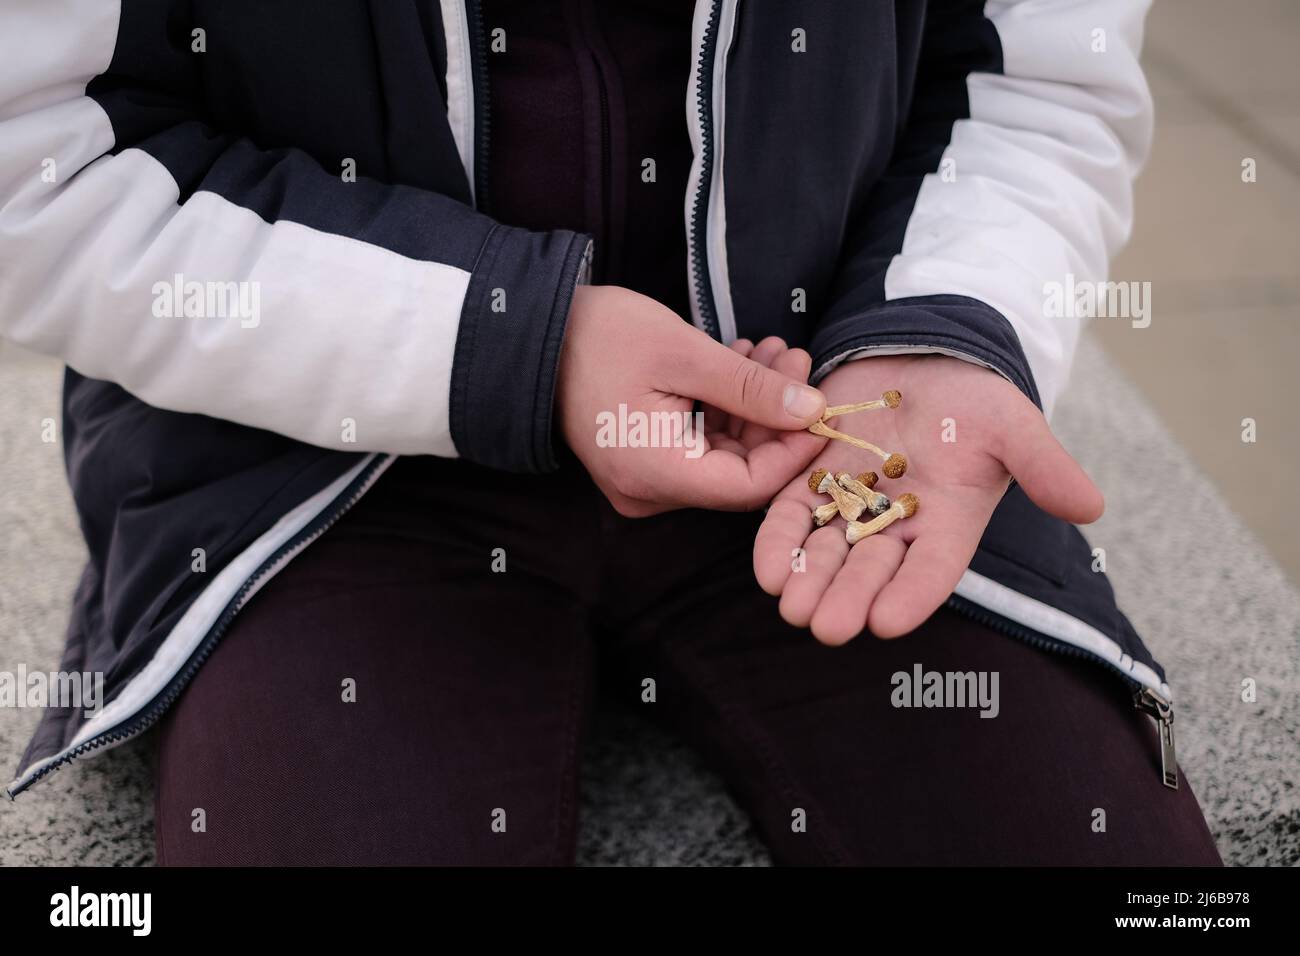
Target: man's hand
[(623, 348), (894, 580)]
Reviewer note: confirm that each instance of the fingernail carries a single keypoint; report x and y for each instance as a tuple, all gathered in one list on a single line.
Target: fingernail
[(802, 402)]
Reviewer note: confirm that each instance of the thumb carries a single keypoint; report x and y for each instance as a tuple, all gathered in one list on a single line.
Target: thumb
[(1049, 475), (720, 377)]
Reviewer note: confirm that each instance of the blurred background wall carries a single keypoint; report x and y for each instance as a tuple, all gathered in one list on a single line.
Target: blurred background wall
[(1223, 255)]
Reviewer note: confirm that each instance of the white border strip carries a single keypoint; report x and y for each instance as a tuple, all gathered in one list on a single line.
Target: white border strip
[(460, 83), (183, 640), (1048, 620)]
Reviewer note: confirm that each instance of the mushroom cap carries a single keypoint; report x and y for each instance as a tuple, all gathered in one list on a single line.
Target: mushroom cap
[(895, 466), (816, 478), (868, 478), (909, 503), (893, 398)]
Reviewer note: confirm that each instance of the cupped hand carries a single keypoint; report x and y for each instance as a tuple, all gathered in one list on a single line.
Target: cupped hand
[(627, 358), (966, 432)]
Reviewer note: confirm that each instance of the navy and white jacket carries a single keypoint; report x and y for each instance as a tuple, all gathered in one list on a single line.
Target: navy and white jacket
[(920, 172)]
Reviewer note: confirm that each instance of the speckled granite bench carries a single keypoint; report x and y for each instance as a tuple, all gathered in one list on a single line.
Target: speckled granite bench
[(647, 799)]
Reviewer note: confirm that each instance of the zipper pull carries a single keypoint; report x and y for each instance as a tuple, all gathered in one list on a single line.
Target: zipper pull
[(1162, 710)]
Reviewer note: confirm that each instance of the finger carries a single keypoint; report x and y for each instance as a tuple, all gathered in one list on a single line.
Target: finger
[(871, 564), (782, 533), (796, 363), (763, 353), (802, 447), (928, 575), (1050, 476), (724, 442), (725, 480), (627, 506), (715, 419), (825, 551), (768, 349), (713, 373)]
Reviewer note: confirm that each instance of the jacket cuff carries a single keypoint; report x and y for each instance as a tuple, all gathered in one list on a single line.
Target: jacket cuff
[(949, 324), (508, 346)]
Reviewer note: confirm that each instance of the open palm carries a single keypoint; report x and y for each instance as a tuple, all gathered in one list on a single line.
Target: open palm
[(966, 432)]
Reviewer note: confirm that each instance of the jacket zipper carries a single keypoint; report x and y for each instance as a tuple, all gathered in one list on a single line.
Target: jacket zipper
[(700, 207), (482, 121), (1144, 698), (145, 718)]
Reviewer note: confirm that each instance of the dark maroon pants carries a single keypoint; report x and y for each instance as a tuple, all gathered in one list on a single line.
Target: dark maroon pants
[(473, 687)]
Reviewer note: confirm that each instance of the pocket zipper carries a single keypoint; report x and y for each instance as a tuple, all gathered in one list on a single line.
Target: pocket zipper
[(1148, 701)]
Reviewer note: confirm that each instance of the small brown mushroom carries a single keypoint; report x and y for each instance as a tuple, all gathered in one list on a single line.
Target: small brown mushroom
[(863, 486), (904, 507), (849, 505), (895, 465), (891, 399)]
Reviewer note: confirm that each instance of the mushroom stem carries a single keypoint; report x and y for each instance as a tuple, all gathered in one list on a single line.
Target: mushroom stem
[(904, 507), (824, 513), (895, 465)]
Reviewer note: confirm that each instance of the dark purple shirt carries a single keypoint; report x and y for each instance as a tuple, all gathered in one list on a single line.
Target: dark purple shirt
[(584, 92)]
